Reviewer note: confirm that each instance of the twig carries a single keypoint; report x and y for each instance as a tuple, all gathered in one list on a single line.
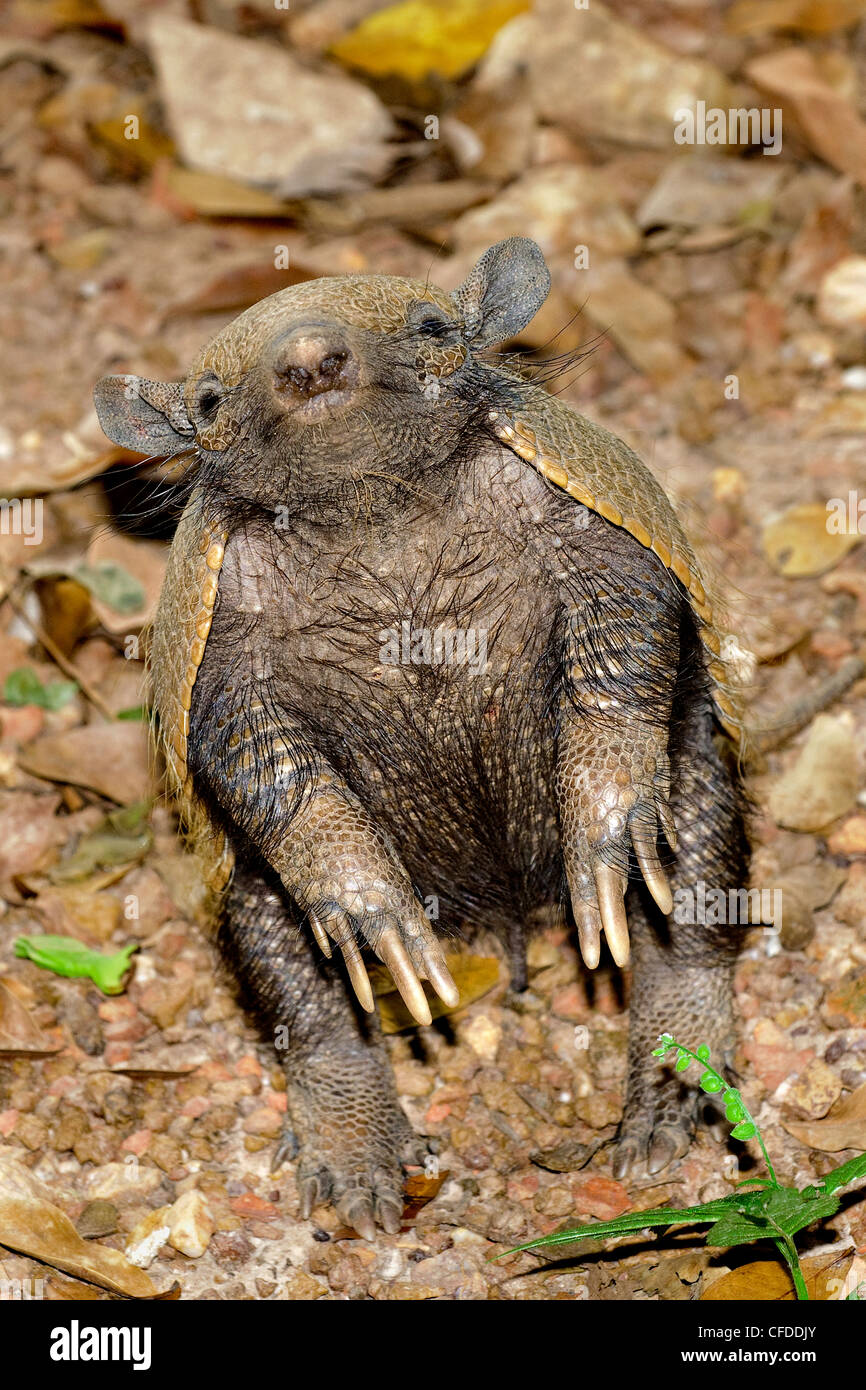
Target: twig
[(67, 667)]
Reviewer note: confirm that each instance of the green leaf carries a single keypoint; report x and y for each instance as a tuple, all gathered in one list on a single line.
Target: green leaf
[(744, 1131), (636, 1221), (843, 1175), (734, 1112), (138, 712), (739, 1228), (66, 956), (23, 687), (112, 584), (711, 1083)]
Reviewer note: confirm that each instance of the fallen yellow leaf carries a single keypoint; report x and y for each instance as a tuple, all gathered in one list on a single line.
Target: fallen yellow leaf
[(474, 977), (799, 543), (418, 37)]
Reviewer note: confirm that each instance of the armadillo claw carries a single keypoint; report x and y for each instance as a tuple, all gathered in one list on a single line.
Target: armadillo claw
[(600, 907), (644, 845), (436, 971), (355, 1208), (314, 1188), (410, 952), (610, 887), (360, 1209), (357, 972), (320, 934), (669, 825), (339, 927), (588, 933), (393, 953), (667, 1144)]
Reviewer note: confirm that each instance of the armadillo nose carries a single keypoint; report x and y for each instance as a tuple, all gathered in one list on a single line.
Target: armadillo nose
[(310, 362)]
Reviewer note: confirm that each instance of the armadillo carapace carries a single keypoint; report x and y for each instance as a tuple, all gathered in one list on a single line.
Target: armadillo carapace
[(429, 637)]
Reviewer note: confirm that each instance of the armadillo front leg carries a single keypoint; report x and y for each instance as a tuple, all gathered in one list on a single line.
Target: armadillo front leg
[(313, 831), (345, 1125), (613, 773)]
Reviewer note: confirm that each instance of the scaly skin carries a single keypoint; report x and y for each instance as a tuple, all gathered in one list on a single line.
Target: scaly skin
[(359, 467), (682, 975), (613, 771), (344, 1125)]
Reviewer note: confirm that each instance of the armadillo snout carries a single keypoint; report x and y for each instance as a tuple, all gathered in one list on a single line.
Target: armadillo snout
[(311, 361)]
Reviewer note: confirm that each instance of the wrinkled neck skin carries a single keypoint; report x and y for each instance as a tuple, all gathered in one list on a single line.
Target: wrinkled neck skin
[(366, 466)]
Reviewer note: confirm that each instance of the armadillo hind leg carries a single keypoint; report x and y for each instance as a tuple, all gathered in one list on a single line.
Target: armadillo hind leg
[(682, 980), (345, 1124)]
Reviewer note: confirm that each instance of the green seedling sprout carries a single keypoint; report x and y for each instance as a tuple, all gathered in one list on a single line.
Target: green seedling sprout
[(768, 1211), (66, 956)]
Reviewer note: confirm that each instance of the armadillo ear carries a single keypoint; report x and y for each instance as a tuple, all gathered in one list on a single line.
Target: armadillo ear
[(504, 291), (148, 417)]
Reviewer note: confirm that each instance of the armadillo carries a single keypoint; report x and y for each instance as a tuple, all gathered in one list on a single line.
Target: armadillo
[(429, 636)]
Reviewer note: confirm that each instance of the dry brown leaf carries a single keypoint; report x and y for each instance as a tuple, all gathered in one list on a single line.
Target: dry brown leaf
[(768, 1281), (144, 560), (78, 910), (412, 205), (30, 831), (109, 758), (58, 1290), (548, 204), (593, 74), (19, 1035), (22, 477), (66, 611), (250, 111), (805, 16), (845, 414), (798, 543), (31, 1224), (238, 288), (215, 195), (830, 123), (474, 977), (843, 1128), (419, 1190), (694, 191)]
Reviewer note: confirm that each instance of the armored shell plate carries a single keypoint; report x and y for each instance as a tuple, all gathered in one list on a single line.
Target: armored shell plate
[(180, 631), (603, 474)]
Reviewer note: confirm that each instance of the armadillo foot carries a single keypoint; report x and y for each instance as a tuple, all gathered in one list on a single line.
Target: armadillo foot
[(358, 1169), (656, 1146), (610, 813)]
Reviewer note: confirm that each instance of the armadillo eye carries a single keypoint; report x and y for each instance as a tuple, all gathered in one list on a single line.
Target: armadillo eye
[(434, 328), (209, 399)]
